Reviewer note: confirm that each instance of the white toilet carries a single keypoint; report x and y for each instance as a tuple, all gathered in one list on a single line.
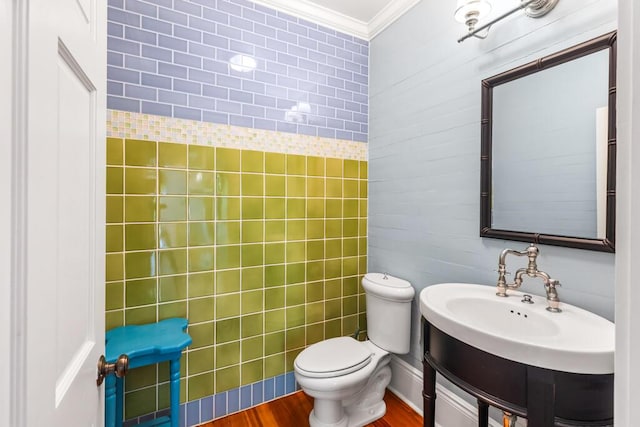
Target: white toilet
[(347, 378)]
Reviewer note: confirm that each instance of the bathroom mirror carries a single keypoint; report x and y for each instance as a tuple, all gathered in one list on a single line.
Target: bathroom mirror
[(549, 149)]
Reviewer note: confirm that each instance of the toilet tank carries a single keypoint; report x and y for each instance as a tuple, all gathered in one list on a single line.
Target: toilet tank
[(388, 311)]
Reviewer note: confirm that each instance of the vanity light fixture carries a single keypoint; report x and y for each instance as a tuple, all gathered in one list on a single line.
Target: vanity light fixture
[(470, 12)]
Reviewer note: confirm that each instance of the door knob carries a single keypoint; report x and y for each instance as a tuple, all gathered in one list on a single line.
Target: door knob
[(119, 368)]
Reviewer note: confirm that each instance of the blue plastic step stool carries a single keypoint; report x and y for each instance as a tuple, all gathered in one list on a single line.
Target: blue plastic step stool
[(146, 345)]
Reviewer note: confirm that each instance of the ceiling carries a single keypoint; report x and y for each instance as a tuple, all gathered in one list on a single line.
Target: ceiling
[(361, 18), (362, 10)]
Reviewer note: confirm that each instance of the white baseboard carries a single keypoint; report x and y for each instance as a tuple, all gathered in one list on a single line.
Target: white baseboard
[(451, 410), (406, 383)]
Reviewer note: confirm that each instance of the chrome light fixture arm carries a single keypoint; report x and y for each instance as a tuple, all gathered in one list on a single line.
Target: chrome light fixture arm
[(533, 9)]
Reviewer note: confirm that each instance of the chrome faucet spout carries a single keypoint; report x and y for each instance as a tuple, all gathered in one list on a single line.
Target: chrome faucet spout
[(531, 271), (503, 255), (502, 285)]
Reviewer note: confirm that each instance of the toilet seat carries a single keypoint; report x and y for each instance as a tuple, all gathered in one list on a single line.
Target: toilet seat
[(332, 358)]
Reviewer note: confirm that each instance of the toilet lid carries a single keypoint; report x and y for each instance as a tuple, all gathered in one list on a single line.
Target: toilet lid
[(332, 358)]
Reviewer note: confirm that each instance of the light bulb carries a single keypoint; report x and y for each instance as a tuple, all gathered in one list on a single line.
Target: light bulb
[(470, 12)]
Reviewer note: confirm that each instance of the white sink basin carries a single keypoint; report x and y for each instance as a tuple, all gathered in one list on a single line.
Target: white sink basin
[(574, 340)]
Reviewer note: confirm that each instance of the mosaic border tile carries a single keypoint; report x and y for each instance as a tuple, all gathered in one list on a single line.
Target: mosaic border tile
[(124, 124)]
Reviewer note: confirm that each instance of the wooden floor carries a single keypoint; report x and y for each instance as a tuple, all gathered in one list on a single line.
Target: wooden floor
[(293, 411)]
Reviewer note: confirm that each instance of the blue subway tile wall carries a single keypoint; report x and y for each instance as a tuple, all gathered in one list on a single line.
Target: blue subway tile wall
[(222, 404), (171, 58)]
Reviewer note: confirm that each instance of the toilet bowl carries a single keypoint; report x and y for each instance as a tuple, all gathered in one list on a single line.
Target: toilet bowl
[(347, 378)]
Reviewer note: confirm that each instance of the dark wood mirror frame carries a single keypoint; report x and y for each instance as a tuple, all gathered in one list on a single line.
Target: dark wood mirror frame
[(607, 41)]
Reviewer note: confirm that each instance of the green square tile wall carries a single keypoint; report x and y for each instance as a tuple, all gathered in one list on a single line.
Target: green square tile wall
[(263, 252)]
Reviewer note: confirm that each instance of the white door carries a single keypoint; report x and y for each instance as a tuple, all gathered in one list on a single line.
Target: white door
[(61, 182)]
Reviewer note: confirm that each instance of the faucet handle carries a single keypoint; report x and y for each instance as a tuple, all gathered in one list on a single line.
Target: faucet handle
[(552, 296), (553, 283), (506, 273)]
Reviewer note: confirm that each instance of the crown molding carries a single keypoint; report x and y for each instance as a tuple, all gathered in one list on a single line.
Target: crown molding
[(388, 15), (319, 15), (340, 22)]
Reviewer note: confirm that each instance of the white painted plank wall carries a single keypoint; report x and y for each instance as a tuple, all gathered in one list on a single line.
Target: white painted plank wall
[(424, 150)]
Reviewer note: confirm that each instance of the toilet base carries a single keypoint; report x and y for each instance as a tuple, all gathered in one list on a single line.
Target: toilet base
[(314, 421), (362, 417), (363, 408), (358, 418), (368, 405), (328, 413)]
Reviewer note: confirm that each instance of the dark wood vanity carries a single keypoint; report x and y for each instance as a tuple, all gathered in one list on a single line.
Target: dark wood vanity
[(544, 397)]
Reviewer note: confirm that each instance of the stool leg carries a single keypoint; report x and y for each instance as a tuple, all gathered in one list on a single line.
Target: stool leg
[(174, 390), (110, 401), (119, 400)]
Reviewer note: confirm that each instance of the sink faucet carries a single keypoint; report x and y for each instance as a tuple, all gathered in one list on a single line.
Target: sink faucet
[(531, 270), (531, 252)]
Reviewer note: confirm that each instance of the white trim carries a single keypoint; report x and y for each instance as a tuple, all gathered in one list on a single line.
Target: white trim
[(406, 383), (19, 142), (340, 22), (627, 297), (451, 409), (389, 15), (6, 182), (320, 15)]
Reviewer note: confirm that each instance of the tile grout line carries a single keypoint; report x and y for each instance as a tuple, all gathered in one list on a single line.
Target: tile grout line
[(306, 240)]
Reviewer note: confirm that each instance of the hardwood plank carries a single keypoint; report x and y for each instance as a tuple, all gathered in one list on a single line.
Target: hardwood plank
[(293, 411)]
